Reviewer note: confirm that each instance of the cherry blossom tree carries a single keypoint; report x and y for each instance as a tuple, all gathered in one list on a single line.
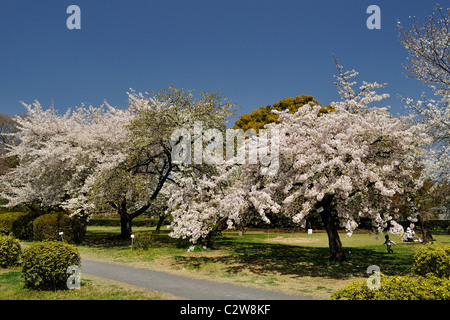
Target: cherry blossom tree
[(342, 157), (59, 154), (203, 207), (7, 129), (106, 159), (355, 153), (428, 46), (434, 115), (144, 178)]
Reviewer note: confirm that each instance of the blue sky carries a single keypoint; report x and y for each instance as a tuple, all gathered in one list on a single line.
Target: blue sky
[(256, 52)]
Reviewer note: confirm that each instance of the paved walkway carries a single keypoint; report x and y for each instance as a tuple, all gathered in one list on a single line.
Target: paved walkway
[(180, 286)]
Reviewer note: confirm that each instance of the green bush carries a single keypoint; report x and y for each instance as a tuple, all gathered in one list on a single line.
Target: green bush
[(434, 259), (44, 265), (48, 227), (10, 251), (18, 224), (355, 290), (397, 288)]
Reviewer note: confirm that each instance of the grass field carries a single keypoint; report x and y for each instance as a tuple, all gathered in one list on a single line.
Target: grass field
[(289, 262), (92, 288), (284, 261)]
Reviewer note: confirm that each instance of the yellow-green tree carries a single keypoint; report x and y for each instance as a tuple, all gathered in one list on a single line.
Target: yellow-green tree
[(258, 118)]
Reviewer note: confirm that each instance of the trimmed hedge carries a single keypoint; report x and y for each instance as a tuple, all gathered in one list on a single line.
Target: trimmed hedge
[(432, 281), (48, 227), (434, 226), (433, 258), (115, 222), (18, 224), (44, 265), (440, 226), (397, 288), (10, 251)]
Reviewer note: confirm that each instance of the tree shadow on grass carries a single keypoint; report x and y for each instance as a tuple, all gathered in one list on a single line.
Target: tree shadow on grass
[(299, 261), (273, 258), (105, 239)]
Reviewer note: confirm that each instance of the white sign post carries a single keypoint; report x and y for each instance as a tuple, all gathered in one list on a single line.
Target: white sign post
[(61, 234), (132, 237)]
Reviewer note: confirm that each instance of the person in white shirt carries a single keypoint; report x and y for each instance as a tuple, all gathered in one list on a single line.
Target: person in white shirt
[(388, 243)]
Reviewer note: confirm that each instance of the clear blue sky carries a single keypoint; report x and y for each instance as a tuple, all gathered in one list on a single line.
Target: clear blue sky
[(256, 52)]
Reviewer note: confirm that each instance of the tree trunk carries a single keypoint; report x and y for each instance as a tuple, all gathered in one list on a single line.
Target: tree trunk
[(336, 251), (162, 217), (426, 234), (126, 218), (125, 227), (125, 221), (209, 239), (308, 224)]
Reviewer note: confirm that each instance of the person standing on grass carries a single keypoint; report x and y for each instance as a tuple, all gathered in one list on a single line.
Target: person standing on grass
[(388, 243)]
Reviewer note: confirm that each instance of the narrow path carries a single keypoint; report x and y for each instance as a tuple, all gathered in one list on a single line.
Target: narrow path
[(180, 286)]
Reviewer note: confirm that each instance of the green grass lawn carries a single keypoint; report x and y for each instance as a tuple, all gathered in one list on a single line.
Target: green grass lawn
[(92, 288), (289, 262)]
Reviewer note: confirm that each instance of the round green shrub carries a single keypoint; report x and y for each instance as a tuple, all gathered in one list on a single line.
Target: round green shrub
[(48, 227), (397, 288), (433, 258), (10, 251), (44, 265), (18, 224)]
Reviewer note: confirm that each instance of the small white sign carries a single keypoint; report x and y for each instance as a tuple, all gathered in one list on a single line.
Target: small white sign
[(309, 231)]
